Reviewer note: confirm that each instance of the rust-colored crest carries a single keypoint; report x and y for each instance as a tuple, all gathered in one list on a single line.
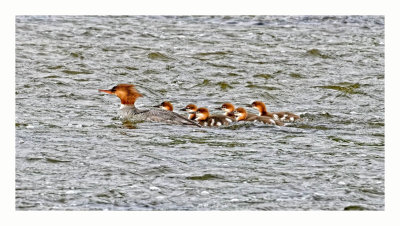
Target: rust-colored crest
[(242, 113), (202, 113), (228, 107), (167, 106), (260, 106), (191, 107), (126, 92)]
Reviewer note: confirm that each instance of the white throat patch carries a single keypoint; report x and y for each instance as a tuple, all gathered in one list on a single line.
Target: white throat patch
[(123, 106)]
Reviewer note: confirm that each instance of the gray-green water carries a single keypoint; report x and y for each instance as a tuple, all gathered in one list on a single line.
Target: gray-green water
[(73, 153)]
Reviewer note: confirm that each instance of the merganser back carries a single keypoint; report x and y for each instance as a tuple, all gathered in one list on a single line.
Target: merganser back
[(128, 95), (191, 109), (166, 105), (241, 115), (204, 118), (282, 116)]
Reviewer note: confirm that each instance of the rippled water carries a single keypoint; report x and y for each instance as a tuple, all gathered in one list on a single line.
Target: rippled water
[(73, 153)]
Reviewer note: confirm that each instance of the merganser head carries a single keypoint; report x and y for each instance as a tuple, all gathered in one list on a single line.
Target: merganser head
[(191, 108), (166, 105), (227, 107), (260, 106), (202, 114), (241, 114), (126, 92)]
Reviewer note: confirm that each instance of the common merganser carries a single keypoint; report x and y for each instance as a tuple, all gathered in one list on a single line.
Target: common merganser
[(128, 95), (191, 109), (166, 105), (229, 109), (282, 116), (241, 115), (205, 119)]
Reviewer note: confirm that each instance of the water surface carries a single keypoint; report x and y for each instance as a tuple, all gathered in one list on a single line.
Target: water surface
[(73, 153)]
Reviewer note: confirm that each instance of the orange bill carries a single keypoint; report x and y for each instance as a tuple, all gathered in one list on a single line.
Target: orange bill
[(106, 91)]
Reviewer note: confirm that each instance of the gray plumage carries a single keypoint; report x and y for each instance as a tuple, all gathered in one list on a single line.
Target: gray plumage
[(154, 115)]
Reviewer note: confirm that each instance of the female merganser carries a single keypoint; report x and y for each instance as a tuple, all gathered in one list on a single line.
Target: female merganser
[(282, 116), (191, 109), (166, 105), (204, 118), (241, 115), (128, 95), (229, 110)]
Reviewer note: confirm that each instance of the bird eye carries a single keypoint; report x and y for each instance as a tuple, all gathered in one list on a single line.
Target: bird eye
[(114, 88)]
